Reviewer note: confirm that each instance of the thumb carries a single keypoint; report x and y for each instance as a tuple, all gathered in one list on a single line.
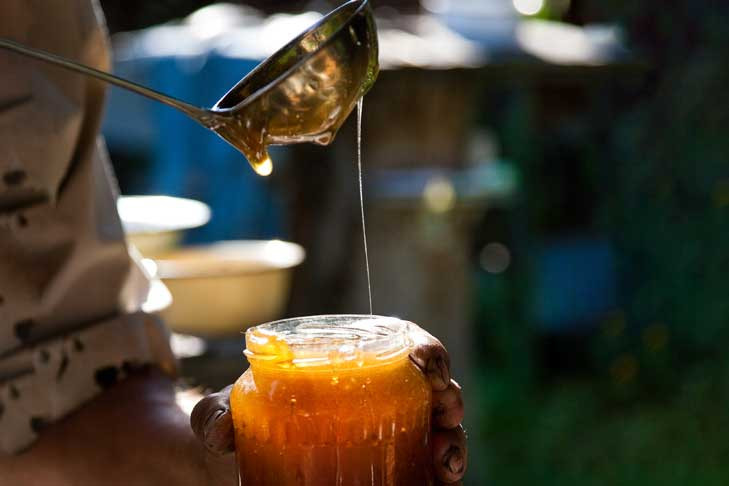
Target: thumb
[(212, 422)]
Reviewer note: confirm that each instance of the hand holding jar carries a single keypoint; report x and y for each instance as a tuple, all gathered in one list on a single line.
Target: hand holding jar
[(340, 400)]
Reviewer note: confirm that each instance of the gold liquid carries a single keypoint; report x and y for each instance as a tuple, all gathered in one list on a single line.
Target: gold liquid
[(360, 106), (303, 94), (330, 422), (309, 107), (254, 147), (252, 130), (264, 167)]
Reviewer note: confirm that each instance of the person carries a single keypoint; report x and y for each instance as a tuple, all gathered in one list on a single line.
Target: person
[(87, 378)]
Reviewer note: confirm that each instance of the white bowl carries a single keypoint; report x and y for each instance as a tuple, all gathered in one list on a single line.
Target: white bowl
[(222, 289), (154, 224)]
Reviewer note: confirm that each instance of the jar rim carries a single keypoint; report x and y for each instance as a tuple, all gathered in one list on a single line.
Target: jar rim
[(328, 341)]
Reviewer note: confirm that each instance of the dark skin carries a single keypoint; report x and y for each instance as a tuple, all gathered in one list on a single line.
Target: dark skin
[(212, 422)]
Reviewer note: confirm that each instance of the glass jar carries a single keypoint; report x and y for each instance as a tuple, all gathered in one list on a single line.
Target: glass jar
[(332, 401)]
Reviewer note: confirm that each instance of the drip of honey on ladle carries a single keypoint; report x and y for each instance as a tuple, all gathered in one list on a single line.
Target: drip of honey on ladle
[(304, 92), (264, 167), (308, 107)]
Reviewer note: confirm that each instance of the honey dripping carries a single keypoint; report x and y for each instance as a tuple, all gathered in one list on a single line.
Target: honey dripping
[(263, 167), (251, 136), (253, 131), (360, 106), (269, 120)]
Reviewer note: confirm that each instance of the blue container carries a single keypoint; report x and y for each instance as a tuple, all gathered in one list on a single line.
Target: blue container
[(575, 284)]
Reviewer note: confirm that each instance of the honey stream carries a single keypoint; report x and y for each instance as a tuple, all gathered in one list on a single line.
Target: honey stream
[(360, 105), (253, 144)]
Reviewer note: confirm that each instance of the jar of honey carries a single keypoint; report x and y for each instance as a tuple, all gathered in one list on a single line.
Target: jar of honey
[(332, 401)]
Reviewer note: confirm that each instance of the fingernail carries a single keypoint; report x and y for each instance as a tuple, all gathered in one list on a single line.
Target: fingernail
[(211, 420), (453, 460)]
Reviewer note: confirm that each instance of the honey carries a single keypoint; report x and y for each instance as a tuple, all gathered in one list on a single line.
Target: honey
[(305, 91), (332, 401), (323, 101)]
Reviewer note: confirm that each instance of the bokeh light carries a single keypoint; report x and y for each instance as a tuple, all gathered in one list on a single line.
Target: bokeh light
[(439, 195), (495, 258), (528, 7)]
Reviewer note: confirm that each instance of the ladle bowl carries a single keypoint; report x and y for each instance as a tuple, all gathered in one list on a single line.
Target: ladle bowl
[(302, 93)]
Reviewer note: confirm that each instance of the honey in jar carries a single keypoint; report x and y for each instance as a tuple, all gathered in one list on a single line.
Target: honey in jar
[(332, 401)]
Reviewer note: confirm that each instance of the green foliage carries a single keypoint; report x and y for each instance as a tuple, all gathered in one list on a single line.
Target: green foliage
[(669, 214), (576, 433), (656, 156)]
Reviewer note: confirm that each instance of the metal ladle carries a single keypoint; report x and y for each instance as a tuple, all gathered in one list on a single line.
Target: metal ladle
[(302, 93)]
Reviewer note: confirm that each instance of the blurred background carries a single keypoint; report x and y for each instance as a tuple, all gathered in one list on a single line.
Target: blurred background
[(546, 189)]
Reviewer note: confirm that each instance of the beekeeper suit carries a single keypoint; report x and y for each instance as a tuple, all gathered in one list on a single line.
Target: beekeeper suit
[(72, 301)]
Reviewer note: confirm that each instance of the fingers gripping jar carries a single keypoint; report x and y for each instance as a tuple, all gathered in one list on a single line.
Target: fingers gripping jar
[(332, 401)]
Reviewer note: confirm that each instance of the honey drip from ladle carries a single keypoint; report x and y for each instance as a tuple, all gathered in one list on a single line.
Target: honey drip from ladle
[(302, 93)]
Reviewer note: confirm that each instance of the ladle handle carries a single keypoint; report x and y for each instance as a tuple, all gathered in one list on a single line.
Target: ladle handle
[(190, 110)]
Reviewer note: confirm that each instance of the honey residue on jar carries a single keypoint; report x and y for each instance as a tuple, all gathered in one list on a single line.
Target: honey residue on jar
[(318, 409)]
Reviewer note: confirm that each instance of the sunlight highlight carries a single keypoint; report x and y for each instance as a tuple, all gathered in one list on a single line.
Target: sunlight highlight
[(528, 7)]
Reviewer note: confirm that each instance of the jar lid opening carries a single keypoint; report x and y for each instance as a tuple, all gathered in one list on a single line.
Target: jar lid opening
[(326, 341)]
